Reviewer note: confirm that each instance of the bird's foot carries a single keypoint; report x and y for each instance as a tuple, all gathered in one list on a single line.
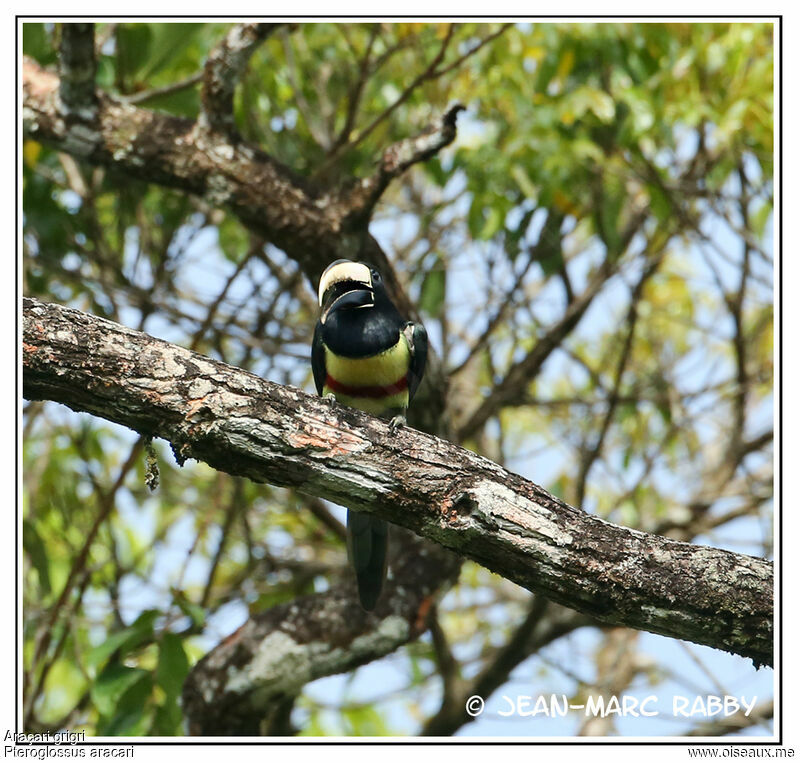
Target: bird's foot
[(397, 422), (330, 399)]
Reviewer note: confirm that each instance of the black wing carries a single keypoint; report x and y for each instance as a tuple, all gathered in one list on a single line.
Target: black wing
[(418, 343), (318, 359)]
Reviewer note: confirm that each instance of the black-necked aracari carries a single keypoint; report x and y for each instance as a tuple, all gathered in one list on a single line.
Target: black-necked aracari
[(365, 355)]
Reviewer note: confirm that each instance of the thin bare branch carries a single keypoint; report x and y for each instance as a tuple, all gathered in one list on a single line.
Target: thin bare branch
[(521, 374), (354, 97), (157, 92), (732, 724), (446, 662), (427, 74), (322, 513), (591, 454), (543, 248), (397, 159), (544, 623), (239, 686), (310, 116)]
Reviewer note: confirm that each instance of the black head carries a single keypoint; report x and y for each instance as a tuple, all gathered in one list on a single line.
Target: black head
[(347, 285)]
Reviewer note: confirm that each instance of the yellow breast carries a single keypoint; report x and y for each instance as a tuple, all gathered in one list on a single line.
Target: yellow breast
[(384, 369)]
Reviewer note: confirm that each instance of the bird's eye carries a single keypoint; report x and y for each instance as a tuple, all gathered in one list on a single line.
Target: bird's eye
[(376, 276)]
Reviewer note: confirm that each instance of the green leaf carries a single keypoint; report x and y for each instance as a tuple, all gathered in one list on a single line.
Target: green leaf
[(601, 104), (167, 720), (545, 71), (493, 223), (130, 717), (126, 640), (105, 72), (475, 218), (523, 180), (437, 173), (182, 103), (35, 548), (552, 263), (133, 50), (275, 595), (234, 239), (112, 684), (169, 41), (432, 294), (760, 218), (659, 203), (365, 721), (173, 665), (610, 209), (193, 611), (36, 43)]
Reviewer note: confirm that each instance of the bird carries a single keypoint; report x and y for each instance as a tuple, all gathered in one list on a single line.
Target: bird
[(364, 354)]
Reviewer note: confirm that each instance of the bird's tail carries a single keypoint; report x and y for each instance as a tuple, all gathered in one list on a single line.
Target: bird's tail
[(367, 541)]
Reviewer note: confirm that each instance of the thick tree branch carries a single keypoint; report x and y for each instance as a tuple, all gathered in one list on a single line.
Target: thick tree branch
[(313, 225), (224, 67), (77, 67), (265, 194), (237, 686), (244, 425)]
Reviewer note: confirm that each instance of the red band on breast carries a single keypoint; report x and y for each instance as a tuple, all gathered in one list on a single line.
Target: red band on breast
[(377, 391)]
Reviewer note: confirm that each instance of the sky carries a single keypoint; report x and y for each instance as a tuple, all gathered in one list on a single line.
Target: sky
[(556, 672), (540, 674)]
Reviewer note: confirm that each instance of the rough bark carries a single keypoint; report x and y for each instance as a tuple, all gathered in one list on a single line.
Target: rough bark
[(77, 69), (179, 153), (274, 654), (222, 71), (313, 224), (241, 424)]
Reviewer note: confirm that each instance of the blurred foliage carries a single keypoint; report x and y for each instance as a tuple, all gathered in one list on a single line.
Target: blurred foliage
[(639, 155)]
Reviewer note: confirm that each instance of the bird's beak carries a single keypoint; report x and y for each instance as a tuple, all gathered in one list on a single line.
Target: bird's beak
[(345, 285), (354, 297)]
